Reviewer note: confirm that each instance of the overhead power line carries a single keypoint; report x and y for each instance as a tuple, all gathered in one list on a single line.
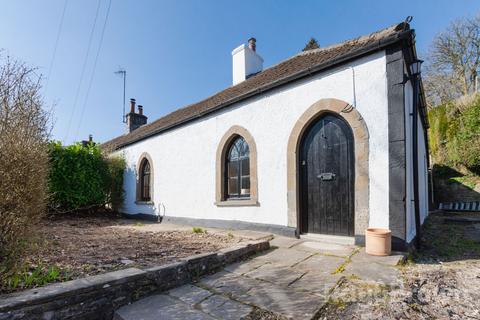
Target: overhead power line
[(84, 66), (94, 68), (59, 31)]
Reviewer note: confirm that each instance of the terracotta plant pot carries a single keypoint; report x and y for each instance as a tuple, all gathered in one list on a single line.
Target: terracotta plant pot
[(378, 242)]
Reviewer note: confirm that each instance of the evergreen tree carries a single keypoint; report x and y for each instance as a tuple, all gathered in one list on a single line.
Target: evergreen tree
[(312, 44)]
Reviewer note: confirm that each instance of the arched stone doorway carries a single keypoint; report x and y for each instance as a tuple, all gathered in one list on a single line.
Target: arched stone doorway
[(352, 117)]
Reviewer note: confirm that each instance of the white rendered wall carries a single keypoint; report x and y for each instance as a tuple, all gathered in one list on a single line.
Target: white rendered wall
[(422, 167), (184, 158)]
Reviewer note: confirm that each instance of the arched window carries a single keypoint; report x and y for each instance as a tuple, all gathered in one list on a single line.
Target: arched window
[(237, 169), (145, 181)]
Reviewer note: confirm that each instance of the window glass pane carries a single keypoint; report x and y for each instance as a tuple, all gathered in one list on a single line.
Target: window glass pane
[(233, 186), (146, 168), (237, 169), (233, 153), (245, 167), (232, 167), (244, 150), (245, 190), (145, 181)]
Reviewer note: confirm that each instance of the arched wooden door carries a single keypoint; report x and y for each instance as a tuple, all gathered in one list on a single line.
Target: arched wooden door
[(327, 177)]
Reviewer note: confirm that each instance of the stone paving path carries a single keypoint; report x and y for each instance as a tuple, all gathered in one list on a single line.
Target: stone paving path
[(292, 280)]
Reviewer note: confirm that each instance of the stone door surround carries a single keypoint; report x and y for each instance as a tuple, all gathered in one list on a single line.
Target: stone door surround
[(361, 149)]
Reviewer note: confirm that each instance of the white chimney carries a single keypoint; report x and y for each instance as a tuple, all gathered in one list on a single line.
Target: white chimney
[(246, 61)]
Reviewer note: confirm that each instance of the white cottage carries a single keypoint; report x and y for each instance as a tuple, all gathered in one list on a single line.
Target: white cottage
[(326, 142)]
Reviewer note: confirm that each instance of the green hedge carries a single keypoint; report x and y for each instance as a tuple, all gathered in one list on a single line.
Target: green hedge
[(455, 134), (81, 177)]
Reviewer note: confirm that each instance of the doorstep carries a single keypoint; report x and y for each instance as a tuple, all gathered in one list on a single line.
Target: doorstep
[(343, 240)]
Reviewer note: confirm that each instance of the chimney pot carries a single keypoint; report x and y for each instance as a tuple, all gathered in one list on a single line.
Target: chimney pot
[(135, 120), (90, 138), (252, 44), (132, 105)]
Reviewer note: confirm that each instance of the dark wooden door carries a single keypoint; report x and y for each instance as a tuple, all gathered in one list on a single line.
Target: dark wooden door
[(327, 177)]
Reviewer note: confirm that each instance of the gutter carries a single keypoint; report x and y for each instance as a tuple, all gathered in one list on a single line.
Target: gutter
[(382, 43)]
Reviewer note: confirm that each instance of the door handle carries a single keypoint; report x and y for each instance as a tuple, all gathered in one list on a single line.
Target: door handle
[(326, 176)]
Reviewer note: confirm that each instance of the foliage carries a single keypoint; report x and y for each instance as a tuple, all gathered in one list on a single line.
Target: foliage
[(36, 276), (82, 177), (24, 131), (455, 134), (453, 61), (312, 44), (116, 168)]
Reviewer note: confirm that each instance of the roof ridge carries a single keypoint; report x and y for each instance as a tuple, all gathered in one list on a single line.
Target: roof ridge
[(270, 77), (356, 39)]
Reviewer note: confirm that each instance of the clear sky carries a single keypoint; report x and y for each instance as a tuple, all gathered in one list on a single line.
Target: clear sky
[(179, 52)]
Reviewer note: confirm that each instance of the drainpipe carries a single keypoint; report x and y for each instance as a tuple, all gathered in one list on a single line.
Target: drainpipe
[(418, 225)]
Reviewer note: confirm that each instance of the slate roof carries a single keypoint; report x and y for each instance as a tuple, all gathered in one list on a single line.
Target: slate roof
[(301, 65)]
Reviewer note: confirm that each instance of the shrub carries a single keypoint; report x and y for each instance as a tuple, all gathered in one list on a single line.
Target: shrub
[(24, 133), (82, 177), (455, 134)]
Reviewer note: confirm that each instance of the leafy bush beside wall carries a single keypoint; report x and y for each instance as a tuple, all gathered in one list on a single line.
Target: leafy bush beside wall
[(82, 177)]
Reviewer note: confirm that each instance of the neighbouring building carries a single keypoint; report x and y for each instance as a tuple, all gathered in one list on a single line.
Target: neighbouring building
[(321, 143)]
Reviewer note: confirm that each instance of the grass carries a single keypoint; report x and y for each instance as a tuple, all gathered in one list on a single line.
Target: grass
[(467, 181), (446, 241), (36, 277)]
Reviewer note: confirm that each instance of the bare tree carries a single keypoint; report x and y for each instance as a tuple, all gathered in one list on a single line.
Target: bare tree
[(454, 61), (24, 131)]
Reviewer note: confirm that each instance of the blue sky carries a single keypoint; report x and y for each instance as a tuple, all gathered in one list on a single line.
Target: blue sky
[(179, 52)]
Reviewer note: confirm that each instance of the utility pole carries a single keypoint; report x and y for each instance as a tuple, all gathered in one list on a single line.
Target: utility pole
[(122, 72)]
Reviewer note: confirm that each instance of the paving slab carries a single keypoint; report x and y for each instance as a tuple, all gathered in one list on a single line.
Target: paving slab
[(229, 283), (279, 275), (190, 294), (373, 271), (285, 301), (157, 307), (284, 242), (283, 256), (317, 283), (224, 308), (246, 266), (321, 264), (392, 260)]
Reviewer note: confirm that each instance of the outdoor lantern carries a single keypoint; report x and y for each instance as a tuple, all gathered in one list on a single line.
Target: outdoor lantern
[(415, 67)]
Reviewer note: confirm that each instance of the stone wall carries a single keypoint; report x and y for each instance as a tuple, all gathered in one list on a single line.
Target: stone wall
[(97, 297)]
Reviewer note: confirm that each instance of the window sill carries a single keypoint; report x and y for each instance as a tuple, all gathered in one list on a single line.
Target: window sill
[(144, 203), (238, 203)]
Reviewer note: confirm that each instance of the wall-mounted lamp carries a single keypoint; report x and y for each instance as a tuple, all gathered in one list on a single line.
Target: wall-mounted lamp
[(416, 67)]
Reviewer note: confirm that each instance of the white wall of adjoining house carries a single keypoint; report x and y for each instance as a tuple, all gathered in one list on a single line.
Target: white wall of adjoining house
[(184, 158), (422, 167)]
